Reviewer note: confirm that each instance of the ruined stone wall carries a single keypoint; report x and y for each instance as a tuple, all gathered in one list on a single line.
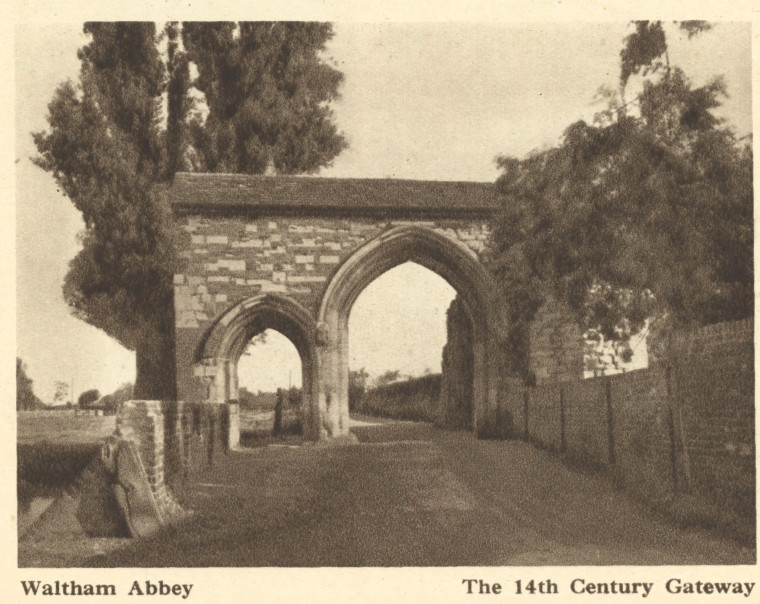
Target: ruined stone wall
[(454, 405), (171, 437), (556, 348)]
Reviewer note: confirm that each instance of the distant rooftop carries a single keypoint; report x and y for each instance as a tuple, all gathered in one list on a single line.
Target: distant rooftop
[(224, 193)]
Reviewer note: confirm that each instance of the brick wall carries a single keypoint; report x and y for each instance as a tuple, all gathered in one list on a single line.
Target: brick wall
[(544, 416), (686, 426), (713, 376), (454, 405), (585, 409), (170, 437)]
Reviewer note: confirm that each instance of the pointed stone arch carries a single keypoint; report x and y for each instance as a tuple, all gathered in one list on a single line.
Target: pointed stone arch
[(220, 351), (450, 259)]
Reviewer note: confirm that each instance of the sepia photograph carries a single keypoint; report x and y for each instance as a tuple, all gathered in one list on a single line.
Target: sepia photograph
[(394, 294)]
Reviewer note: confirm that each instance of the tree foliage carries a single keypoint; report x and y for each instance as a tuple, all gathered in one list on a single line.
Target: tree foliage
[(267, 93), (111, 150), (88, 397), (26, 400), (639, 216)]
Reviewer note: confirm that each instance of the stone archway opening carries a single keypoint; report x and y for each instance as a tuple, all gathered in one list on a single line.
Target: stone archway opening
[(457, 265), (398, 345), (269, 388), (220, 352)]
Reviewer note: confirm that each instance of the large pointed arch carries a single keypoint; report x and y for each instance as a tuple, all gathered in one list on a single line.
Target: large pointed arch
[(450, 259)]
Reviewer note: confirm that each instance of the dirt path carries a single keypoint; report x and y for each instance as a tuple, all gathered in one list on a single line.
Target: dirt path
[(412, 495)]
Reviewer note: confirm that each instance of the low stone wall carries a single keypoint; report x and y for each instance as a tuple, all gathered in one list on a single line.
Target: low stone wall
[(685, 427)]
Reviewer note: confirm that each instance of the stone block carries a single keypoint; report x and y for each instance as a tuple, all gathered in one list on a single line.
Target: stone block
[(278, 276), (186, 319), (220, 298), (306, 279), (275, 237), (200, 250), (233, 265), (211, 267), (217, 239), (304, 259), (219, 279), (333, 245), (272, 226), (251, 228), (197, 239), (255, 243), (274, 288), (323, 259), (265, 268), (182, 302), (179, 279)]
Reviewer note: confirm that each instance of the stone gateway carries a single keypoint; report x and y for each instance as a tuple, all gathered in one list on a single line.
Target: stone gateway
[(294, 253)]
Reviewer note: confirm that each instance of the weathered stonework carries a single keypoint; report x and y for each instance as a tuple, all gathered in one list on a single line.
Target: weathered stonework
[(293, 254)]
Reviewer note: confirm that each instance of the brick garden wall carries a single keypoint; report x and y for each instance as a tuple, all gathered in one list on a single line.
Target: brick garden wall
[(172, 436), (683, 427)]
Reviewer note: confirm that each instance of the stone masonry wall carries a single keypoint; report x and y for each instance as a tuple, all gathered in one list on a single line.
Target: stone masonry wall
[(556, 350), (228, 259)]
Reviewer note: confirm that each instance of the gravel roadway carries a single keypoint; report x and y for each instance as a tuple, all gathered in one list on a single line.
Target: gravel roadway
[(410, 495)]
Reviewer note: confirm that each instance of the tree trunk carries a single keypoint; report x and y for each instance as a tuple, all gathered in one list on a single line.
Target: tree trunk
[(156, 373)]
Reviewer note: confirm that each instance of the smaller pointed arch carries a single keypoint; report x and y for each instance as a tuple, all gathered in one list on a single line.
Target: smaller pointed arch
[(230, 334)]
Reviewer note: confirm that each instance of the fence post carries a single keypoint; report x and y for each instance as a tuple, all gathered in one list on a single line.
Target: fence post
[(610, 424), (562, 443), (671, 428)]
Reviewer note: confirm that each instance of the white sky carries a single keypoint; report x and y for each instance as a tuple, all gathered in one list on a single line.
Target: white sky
[(430, 101)]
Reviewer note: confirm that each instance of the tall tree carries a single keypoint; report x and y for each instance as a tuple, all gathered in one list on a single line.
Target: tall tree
[(267, 90), (104, 150), (112, 150), (643, 215), (26, 400)]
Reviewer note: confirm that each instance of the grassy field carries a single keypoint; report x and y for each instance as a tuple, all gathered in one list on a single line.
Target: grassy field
[(62, 427)]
